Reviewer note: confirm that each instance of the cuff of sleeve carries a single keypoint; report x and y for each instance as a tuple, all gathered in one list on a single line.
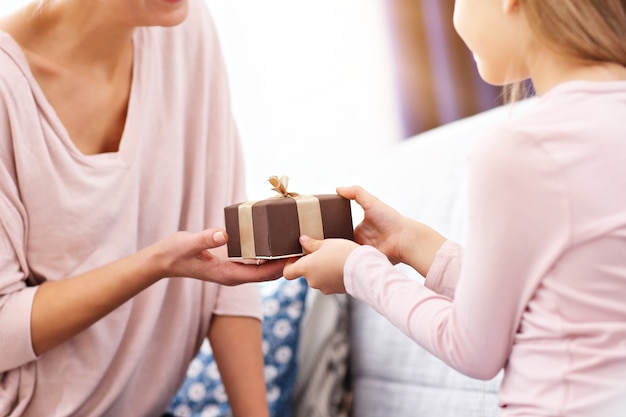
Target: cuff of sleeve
[(16, 341), (239, 300), (440, 278), (350, 268)]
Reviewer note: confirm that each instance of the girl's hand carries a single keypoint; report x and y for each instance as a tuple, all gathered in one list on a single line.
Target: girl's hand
[(196, 255), (322, 266), (382, 227), (399, 238)]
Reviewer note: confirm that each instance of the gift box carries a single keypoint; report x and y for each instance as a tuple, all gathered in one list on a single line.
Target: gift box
[(270, 228)]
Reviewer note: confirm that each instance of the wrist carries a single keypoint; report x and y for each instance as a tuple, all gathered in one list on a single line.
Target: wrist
[(149, 264), (420, 246), (409, 241)]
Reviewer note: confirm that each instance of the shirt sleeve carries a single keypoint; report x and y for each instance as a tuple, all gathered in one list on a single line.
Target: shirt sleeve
[(445, 270), (517, 227), (240, 300), (16, 299)]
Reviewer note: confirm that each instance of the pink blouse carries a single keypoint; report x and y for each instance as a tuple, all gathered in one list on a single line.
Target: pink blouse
[(63, 213)]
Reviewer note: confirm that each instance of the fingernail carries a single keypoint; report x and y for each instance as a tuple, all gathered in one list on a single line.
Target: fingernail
[(219, 237), (304, 239)]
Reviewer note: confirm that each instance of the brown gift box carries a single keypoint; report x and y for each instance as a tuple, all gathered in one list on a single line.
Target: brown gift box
[(270, 228)]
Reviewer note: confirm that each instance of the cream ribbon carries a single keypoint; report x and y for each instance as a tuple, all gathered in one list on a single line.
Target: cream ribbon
[(246, 230), (309, 216)]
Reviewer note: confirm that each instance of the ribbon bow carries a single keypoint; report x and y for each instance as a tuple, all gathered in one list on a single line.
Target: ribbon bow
[(309, 219), (280, 185)]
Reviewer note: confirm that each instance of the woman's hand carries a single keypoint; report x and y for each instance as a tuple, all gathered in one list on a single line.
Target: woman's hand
[(195, 255), (322, 266), (62, 309)]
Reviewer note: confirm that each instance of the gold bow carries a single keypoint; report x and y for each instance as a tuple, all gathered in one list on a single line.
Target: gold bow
[(280, 185), (309, 216)]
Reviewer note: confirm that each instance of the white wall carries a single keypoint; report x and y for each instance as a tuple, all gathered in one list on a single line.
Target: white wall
[(9, 5), (312, 86)]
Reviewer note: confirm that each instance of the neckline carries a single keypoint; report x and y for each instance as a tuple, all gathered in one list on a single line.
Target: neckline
[(124, 155), (595, 85)]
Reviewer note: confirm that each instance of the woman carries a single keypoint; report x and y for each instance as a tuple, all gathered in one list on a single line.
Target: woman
[(118, 154)]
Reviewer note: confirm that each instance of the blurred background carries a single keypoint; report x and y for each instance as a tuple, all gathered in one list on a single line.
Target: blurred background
[(436, 77), (319, 86)]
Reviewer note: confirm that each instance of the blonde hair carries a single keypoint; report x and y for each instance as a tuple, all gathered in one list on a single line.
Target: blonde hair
[(590, 30)]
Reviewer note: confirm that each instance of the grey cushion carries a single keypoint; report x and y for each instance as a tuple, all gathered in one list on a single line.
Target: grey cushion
[(394, 377), (321, 389)]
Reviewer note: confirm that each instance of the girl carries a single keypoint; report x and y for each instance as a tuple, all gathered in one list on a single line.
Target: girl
[(118, 152), (539, 289)]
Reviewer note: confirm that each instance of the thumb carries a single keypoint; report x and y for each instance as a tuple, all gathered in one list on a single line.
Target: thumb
[(309, 244), (358, 194), (347, 192), (212, 238)]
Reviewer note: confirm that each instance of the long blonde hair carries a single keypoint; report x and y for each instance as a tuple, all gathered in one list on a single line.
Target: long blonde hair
[(591, 30)]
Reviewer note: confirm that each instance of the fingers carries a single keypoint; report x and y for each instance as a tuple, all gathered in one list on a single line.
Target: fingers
[(288, 269), (212, 238), (265, 270), (309, 244), (219, 237), (358, 194), (270, 270), (348, 192), (236, 273), (323, 268), (294, 268)]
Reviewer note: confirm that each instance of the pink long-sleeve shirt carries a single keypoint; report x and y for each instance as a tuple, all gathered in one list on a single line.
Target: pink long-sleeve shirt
[(63, 213), (542, 279)]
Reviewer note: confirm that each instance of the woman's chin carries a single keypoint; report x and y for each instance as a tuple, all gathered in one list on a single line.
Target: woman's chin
[(173, 13)]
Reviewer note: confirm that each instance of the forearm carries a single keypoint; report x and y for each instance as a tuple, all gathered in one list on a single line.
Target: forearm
[(419, 246), (237, 348), (62, 309)]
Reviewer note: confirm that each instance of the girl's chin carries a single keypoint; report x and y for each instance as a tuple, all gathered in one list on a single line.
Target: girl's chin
[(489, 76)]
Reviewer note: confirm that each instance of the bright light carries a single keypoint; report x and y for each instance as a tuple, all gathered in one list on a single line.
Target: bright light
[(8, 6)]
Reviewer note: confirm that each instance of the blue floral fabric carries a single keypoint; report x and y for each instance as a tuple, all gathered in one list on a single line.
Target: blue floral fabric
[(202, 393)]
